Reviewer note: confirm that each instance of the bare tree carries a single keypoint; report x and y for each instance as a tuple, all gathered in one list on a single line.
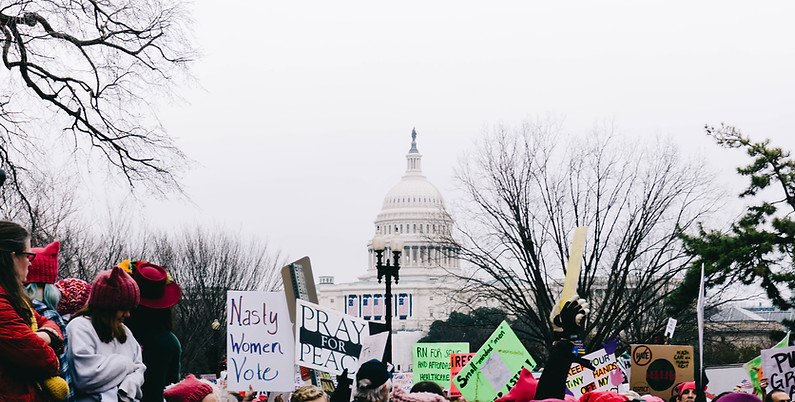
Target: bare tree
[(96, 66), (207, 263), (527, 189)]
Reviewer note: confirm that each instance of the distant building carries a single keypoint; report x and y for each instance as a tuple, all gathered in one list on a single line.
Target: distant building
[(414, 210), (748, 326)]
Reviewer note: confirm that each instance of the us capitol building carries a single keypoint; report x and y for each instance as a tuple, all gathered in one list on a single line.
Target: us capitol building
[(414, 210)]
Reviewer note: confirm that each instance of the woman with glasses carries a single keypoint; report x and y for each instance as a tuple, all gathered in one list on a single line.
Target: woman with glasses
[(29, 343)]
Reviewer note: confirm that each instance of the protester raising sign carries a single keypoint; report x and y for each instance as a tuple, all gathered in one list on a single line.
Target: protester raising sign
[(657, 368), (259, 346), (495, 368), (327, 340), (606, 376), (778, 364)]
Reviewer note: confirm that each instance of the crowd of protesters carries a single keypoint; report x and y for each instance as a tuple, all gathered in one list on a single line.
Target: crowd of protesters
[(112, 340)]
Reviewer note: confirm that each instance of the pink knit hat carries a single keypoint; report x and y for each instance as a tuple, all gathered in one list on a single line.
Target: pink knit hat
[(191, 389), (74, 295), (44, 268), (114, 289)]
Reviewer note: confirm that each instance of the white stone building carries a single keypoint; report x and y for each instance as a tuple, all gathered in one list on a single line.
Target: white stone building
[(414, 210)]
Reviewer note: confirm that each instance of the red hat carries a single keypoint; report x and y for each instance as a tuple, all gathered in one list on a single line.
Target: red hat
[(114, 289), (74, 295), (156, 290), (686, 385), (524, 390), (44, 268), (191, 389), (606, 396)]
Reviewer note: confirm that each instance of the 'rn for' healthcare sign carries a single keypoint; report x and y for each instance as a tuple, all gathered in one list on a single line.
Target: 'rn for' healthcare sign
[(259, 345), (327, 340)]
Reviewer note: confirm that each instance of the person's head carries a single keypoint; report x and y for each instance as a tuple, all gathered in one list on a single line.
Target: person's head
[(777, 395), (159, 294), (74, 295), (113, 294), (15, 261), (42, 274), (373, 382), (309, 393), (687, 392), (427, 386)]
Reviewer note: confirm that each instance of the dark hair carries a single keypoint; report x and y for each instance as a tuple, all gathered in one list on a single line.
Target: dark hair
[(769, 395), (104, 322), (12, 240), (428, 386), (145, 321)]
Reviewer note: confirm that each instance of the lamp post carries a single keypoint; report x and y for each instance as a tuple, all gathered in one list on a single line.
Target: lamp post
[(389, 271)]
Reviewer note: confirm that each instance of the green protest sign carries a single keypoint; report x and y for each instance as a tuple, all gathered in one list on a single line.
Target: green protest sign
[(432, 361), (495, 368)]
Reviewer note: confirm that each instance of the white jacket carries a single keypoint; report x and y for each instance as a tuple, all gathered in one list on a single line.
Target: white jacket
[(100, 370)]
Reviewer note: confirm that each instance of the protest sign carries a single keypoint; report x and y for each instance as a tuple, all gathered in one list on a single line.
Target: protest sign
[(299, 283), (670, 327), (403, 380), (754, 368), (432, 361), (457, 362), (259, 345), (603, 378), (657, 368), (778, 364), (573, 267), (495, 368), (327, 340)]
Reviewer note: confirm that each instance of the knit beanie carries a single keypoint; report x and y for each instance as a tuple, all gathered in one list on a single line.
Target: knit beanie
[(114, 289), (191, 389), (605, 396), (44, 268), (375, 371), (74, 295)]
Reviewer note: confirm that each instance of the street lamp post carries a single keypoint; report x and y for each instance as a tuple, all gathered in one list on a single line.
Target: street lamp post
[(389, 271)]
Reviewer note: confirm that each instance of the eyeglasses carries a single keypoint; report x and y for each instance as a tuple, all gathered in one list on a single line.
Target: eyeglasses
[(31, 256)]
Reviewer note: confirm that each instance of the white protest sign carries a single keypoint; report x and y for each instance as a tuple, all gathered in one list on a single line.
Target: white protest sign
[(604, 377), (669, 329), (778, 364), (259, 345), (328, 340)]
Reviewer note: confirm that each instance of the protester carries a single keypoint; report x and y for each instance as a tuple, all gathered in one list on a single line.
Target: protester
[(777, 395), (29, 343), (104, 356), (45, 296), (192, 389), (74, 296), (686, 392), (423, 391), (152, 324), (309, 393), (373, 382)]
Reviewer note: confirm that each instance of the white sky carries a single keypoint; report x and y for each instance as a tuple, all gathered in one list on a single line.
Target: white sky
[(305, 110)]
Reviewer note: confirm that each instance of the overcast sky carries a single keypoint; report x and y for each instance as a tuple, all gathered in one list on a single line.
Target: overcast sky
[(303, 111)]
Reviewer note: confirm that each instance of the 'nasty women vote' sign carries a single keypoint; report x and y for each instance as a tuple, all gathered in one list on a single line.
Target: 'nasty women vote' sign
[(778, 364), (259, 345), (327, 340)]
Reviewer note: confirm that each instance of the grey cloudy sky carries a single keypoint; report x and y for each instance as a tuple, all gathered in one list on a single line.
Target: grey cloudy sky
[(303, 112)]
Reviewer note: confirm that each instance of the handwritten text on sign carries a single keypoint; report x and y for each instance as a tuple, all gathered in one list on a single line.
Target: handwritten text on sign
[(327, 340), (778, 364), (259, 346), (432, 361)]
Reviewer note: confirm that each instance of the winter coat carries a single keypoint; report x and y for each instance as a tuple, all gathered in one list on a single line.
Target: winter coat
[(100, 370), (401, 395), (25, 359)]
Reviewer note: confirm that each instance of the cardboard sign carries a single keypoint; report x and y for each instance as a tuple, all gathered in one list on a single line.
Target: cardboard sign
[(606, 376), (432, 361), (403, 380), (259, 344), (299, 283), (327, 340), (495, 368), (778, 364), (657, 368), (457, 362)]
